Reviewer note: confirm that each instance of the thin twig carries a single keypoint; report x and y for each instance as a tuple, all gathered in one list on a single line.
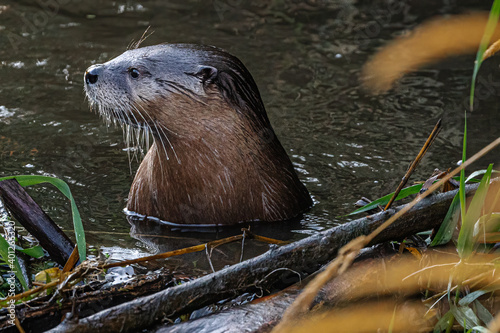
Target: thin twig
[(196, 248), (266, 239), (277, 270), (415, 162), (18, 325), (209, 257), (243, 244), (191, 249)]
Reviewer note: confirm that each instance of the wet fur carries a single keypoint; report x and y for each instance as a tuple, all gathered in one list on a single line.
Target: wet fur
[(215, 158)]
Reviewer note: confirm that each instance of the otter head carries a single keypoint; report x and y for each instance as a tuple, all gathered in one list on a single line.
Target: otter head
[(172, 79), (203, 107)]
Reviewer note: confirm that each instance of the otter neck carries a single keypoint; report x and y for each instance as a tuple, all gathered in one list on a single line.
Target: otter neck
[(226, 175)]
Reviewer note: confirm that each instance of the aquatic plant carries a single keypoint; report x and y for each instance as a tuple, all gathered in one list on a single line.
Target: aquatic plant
[(30, 180)]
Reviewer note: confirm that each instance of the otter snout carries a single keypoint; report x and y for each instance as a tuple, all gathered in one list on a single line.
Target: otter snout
[(92, 74)]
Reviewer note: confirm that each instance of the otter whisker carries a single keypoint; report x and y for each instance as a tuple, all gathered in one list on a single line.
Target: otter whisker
[(115, 115), (150, 130), (135, 45), (158, 129), (141, 135), (134, 133), (122, 112), (146, 124), (170, 131), (138, 134), (126, 130), (169, 143), (159, 136)]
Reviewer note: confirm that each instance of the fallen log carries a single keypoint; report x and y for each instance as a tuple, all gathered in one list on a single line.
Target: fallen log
[(304, 256), (263, 314), (27, 212), (249, 318)]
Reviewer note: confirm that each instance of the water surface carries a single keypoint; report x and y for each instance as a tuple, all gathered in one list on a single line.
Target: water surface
[(305, 58)]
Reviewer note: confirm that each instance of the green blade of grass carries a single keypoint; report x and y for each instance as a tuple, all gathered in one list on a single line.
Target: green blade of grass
[(468, 299), (443, 322), (489, 224), (466, 239), (409, 191), (35, 251), (461, 189), (483, 313), (488, 32), (62, 186), (479, 173), (465, 316), (449, 224), (385, 199), (4, 252)]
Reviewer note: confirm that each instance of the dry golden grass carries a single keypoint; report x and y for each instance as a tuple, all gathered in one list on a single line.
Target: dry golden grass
[(432, 41), (369, 317), (494, 48), (385, 291)]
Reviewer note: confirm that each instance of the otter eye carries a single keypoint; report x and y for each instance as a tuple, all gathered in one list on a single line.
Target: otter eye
[(134, 72)]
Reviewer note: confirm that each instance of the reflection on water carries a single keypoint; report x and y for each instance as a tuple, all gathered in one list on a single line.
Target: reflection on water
[(305, 58), (161, 238)]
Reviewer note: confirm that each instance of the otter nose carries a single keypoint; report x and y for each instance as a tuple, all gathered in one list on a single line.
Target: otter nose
[(92, 74)]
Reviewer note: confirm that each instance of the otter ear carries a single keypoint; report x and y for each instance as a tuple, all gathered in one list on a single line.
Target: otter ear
[(207, 74)]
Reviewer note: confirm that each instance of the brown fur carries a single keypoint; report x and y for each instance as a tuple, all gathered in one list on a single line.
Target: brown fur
[(225, 170), (215, 158)]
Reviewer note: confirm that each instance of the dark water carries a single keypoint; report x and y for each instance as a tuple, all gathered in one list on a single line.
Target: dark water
[(304, 56)]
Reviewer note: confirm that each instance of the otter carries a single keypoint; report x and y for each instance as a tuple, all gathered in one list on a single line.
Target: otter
[(215, 159)]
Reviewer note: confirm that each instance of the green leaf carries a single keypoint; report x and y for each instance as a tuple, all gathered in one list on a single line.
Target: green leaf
[(465, 301), (449, 224), (35, 251), (479, 173), (483, 313), (488, 226), (466, 239), (461, 189), (4, 252), (385, 199), (29, 180), (488, 32), (443, 322), (465, 316)]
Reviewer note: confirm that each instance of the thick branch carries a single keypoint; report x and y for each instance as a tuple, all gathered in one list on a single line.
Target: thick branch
[(33, 218)]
